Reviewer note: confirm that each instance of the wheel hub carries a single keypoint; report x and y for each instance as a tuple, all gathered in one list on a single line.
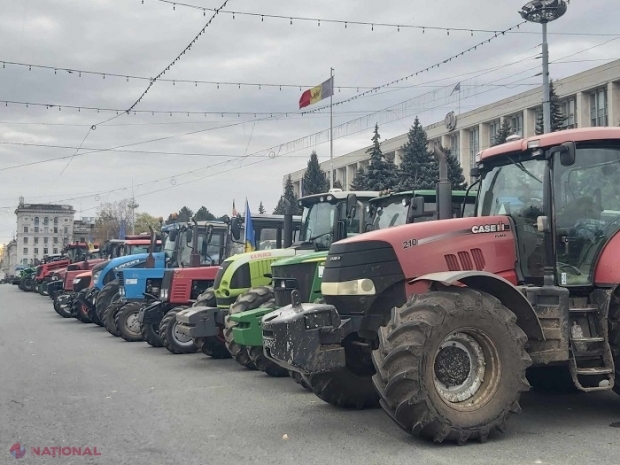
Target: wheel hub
[(181, 338), (459, 367), (132, 323)]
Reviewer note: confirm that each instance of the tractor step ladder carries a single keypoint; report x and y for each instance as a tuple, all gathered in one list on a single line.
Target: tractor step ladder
[(591, 356)]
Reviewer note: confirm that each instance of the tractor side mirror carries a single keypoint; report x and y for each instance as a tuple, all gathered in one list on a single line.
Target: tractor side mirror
[(172, 235), (567, 153), (235, 228), (351, 206), (474, 172), (189, 235), (416, 208), (542, 223)]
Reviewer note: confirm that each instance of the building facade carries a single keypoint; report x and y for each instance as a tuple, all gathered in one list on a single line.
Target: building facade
[(42, 229), (9, 258), (83, 229), (590, 98)]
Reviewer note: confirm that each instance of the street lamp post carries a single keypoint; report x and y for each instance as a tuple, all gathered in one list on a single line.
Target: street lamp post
[(543, 12)]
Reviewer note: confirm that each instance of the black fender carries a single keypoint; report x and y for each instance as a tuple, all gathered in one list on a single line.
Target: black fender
[(498, 287)]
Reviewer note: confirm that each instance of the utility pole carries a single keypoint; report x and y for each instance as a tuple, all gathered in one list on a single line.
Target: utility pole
[(133, 205)]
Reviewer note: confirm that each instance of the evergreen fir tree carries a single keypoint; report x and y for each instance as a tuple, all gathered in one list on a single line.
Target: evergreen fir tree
[(382, 174), (261, 208), (359, 181), (289, 194), (203, 214), (337, 184), (419, 168), (557, 117), (455, 172), (505, 130), (315, 179), (185, 214)]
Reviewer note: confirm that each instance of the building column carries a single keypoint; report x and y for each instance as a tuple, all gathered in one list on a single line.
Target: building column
[(483, 135), (613, 104), (529, 123), (582, 100), (464, 150)]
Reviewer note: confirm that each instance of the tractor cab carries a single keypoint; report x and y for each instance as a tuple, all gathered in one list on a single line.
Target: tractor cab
[(397, 208), (332, 216)]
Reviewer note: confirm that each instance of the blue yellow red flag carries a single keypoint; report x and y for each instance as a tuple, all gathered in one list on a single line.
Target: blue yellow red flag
[(250, 240)]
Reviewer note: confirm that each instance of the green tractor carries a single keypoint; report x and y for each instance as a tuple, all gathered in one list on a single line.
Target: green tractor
[(27, 282), (326, 218), (304, 272)]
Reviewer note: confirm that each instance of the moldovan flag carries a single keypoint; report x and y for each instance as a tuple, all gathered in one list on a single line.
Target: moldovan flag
[(318, 93), (250, 240)]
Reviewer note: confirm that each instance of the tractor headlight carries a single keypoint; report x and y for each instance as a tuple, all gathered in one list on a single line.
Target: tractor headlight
[(54, 278), (76, 281), (121, 291), (164, 294), (96, 276)]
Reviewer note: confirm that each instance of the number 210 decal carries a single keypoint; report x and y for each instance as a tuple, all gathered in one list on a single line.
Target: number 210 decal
[(409, 243)]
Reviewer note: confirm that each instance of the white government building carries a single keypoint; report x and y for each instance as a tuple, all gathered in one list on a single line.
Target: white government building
[(590, 98)]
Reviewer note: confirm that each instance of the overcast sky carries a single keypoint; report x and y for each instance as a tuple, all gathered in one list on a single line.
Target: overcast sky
[(128, 37)]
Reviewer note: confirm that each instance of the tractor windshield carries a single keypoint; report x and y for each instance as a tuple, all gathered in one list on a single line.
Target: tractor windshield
[(391, 214), (135, 249), (317, 224), (169, 247), (209, 251)]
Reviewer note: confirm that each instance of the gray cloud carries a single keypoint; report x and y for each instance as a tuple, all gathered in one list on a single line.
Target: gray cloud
[(127, 37)]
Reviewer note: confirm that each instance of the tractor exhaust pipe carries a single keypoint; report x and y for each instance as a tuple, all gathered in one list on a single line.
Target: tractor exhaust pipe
[(150, 260), (194, 257), (288, 224), (444, 188)]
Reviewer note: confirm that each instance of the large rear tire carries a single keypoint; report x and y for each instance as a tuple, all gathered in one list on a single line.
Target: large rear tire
[(63, 310), (300, 379), (126, 322), (215, 347), (265, 365), (106, 297), (252, 299), (80, 311), (28, 285), (42, 289), (451, 365), (171, 339), (207, 299)]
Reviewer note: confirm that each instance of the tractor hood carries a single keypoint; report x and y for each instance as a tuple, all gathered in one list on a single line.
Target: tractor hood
[(371, 263)]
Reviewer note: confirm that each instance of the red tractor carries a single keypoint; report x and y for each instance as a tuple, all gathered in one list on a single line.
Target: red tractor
[(71, 253), (438, 322)]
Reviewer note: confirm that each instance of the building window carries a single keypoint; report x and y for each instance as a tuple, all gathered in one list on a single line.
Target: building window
[(26, 229), (25, 260), (568, 112), (36, 229), (493, 130), (36, 221), (55, 250), (66, 229), (516, 124), (598, 108), (46, 221), (26, 250), (55, 240), (454, 145), (36, 240), (55, 221), (55, 229), (474, 145), (25, 240), (45, 251), (45, 240), (46, 229), (36, 251)]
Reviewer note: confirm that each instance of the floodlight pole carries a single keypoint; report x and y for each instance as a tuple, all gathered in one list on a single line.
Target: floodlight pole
[(546, 96)]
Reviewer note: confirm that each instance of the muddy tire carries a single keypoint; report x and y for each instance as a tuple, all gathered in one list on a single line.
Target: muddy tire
[(206, 299), (81, 312), (92, 314), (614, 335), (126, 322), (150, 334), (265, 365), (451, 365), (42, 289), (300, 379), (252, 299), (64, 312), (108, 318), (28, 285), (106, 297), (171, 339), (215, 347), (344, 389)]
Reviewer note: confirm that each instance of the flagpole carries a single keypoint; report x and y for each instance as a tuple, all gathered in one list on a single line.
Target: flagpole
[(331, 132)]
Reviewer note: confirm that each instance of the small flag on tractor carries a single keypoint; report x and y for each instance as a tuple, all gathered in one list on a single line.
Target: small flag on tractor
[(250, 240), (234, 212), (318, 93)]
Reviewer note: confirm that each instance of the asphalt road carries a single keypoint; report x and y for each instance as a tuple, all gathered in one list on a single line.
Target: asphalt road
[(64, 383)]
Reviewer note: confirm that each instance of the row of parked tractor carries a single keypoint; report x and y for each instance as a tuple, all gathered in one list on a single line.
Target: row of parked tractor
[(440, 306)]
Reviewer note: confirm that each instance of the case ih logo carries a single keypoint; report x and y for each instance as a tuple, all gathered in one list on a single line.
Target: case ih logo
[(489, 228)]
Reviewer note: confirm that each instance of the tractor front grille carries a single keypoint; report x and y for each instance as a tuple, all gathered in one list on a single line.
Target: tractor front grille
[(287, 278)]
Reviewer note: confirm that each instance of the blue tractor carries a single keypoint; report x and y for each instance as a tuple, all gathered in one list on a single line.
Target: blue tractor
[(136, 251), (196, 244)]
